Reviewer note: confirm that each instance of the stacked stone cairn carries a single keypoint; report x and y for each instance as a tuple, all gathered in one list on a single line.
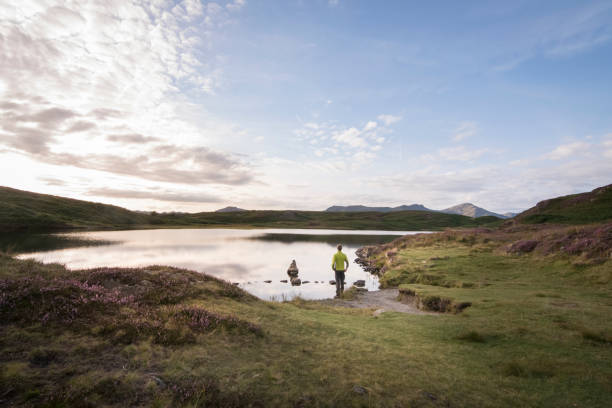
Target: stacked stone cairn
[(293, 274)]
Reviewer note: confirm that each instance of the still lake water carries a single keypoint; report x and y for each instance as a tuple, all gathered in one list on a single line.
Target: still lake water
[(248, 257)]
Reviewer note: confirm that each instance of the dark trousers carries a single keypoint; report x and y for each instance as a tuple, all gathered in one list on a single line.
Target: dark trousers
[(339, 282)]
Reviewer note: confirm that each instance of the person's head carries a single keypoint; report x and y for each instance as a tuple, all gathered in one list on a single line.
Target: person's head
[(339, 247)]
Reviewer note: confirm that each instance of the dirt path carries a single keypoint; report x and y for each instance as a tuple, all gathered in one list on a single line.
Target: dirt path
[(384, 299)]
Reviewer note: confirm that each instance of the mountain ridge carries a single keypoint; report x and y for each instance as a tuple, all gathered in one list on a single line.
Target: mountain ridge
[(467, 209), (363, 208)]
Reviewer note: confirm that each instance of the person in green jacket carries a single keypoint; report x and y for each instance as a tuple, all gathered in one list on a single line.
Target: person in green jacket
[(340, 264)]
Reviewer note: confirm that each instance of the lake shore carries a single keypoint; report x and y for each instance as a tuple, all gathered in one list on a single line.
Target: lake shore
[(536, 333)]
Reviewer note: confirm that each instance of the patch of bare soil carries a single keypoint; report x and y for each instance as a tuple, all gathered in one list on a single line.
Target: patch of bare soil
[(385, 299)]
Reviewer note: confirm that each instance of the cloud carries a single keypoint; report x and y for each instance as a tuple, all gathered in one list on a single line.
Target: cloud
[(460, 153), (80, 126), (97, 86), (330, 140), (464, 130), (389, 119), (236, 5), (134, 138), (567, 150), (559, 34), (50, 181), (155, 195)]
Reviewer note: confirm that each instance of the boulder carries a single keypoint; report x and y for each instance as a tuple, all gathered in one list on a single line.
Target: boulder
[(332, 282), (305, 282), (235, 283), (293, 269), (268, 281), (360, 283), (284, 281)]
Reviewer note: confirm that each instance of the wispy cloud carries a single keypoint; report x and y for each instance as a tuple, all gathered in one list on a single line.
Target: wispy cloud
[(465, 130), (567, 150), (168, 196), (389, 119)]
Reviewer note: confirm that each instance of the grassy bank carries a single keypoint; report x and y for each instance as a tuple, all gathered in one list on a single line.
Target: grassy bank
[(26, 211), (537, 333)]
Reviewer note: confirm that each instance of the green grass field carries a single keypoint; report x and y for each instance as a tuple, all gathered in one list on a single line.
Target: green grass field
[(537, 334)]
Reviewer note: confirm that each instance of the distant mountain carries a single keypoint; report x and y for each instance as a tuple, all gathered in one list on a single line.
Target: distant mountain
[(230, 209), (583, 208), (363, 208), (510, 215), (470, 210)]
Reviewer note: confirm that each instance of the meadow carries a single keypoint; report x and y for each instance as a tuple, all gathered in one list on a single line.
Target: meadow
[(536, 332)]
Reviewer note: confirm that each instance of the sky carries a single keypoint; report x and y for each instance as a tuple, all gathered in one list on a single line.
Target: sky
[(195, 105)]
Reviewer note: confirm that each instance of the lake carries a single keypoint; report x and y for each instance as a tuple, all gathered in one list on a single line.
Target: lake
[(246, 257)]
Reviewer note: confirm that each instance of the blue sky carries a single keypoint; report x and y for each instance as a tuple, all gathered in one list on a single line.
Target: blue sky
[(194, 105)]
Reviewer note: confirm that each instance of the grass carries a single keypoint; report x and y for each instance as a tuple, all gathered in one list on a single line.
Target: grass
[(26, 211), (591, 207), (537, 333)]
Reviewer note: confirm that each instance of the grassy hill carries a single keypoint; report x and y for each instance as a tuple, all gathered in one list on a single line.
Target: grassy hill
[(583, 208), (22, 210)]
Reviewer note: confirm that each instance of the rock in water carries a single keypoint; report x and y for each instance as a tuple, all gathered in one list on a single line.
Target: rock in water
[(284, 281), (332, 282), (360, 283), (293, 269), (268, 281), (296, 281), (305, 282)]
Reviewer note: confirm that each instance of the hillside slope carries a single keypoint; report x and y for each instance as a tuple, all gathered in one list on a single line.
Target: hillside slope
[(22, 210), (583, 208)]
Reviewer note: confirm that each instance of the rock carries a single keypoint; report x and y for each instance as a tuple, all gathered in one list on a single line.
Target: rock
[(296, 281), (332, 282), (361, 289), (284, 280), (305, 282), (293, 269), (236, 283), (430, 395), (360, 283), (158, 380), (360, 390), (268, 281), (378, 312)]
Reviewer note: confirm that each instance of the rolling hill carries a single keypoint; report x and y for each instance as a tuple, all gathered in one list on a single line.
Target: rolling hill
[(583, 208), (23, 211)]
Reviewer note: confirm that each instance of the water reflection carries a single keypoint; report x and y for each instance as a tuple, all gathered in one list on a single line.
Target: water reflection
[(17, 243), (248, 257), (331, 239)]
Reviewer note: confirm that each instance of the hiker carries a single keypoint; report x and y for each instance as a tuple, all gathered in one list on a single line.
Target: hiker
[(338, 265)]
